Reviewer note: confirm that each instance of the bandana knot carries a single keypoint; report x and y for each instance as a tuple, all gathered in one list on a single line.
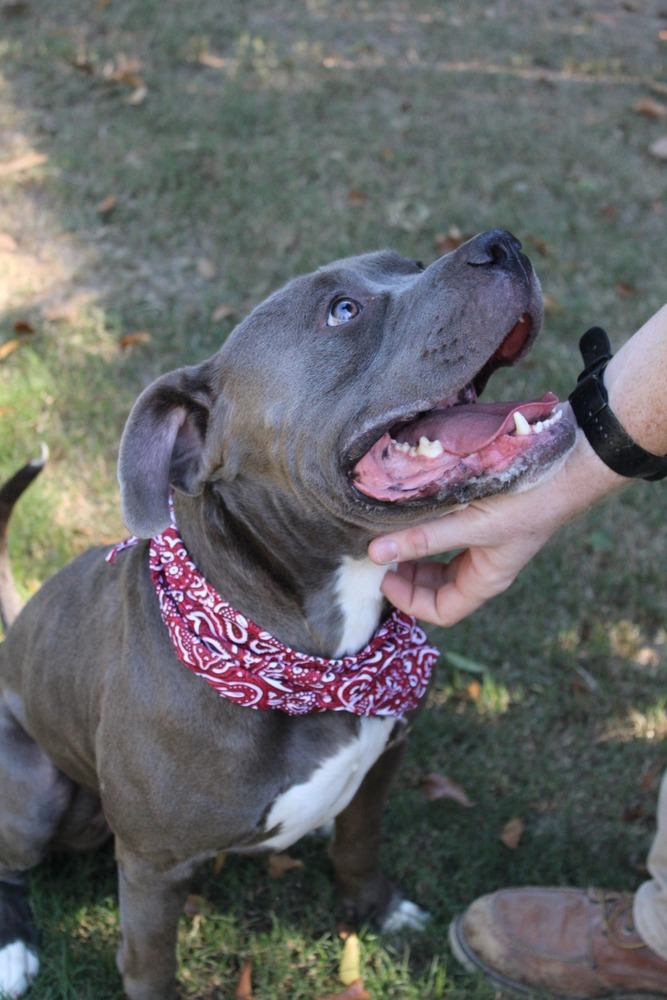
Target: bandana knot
[(247, 665)]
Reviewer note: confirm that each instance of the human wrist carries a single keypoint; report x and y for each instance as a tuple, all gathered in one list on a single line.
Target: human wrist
[(633, 408), (589, 478), (637, 396)]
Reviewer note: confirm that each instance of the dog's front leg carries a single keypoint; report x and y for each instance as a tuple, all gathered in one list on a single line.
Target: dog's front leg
[(365, 891), (151, 902)]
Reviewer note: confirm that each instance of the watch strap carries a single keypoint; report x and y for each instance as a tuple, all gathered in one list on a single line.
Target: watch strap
[(590, 405)]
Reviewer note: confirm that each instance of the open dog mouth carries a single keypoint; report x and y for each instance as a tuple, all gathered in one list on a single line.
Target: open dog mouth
[(460, 441)]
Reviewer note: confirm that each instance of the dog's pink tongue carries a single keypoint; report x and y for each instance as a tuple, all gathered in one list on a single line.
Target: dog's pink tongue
[(463, 430)]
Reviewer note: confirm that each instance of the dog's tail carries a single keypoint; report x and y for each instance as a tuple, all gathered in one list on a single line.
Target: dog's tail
[(10, 602)]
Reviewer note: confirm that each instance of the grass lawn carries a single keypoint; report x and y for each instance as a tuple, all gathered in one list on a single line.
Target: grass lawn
[(163, 166)]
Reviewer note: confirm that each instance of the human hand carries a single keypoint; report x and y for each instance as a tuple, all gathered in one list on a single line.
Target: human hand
[(498, 535), (496, 545)]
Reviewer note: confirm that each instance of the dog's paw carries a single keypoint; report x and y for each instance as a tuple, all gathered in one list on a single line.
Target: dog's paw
[(404, 916), (18, 967)]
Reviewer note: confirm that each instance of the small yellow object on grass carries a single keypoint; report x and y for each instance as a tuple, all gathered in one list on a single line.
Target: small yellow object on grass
[(350, 961)]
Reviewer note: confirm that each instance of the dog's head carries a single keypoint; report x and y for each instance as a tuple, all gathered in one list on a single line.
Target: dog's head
[(355, 390)]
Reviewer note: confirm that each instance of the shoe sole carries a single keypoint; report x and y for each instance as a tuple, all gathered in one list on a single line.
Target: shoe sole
[(472, 963)]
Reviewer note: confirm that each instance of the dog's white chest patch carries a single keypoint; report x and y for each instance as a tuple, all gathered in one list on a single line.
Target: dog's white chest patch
[(332, 786), (329, 789), (360, 602)]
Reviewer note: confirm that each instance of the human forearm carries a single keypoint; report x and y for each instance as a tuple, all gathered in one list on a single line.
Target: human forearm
[(636, 378)]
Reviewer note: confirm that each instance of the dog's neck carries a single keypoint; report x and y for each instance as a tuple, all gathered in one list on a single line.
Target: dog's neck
[(304, 588), (360, 602)]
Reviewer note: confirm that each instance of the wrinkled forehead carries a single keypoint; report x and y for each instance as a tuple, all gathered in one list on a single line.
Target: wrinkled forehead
[(297, 307), (381, 271), (383, 267)]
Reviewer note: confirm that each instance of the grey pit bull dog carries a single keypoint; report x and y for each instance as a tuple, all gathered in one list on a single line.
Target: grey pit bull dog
[(344, 405)]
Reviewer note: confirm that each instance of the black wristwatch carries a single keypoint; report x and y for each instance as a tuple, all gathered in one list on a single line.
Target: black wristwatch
[(590, 405)]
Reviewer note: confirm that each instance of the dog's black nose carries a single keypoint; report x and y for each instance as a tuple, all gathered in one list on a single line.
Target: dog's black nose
[(497, 247)]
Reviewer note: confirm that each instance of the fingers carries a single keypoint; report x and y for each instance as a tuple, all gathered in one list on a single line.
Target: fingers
[(439, 593), (426, 574), (419, 541), (444, 605), (444, 593)]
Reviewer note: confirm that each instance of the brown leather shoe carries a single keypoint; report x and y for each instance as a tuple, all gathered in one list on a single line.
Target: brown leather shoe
[(566, 943)]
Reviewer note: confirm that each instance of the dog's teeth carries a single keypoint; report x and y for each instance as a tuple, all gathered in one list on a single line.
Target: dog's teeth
[(425, 448), (521, 425), (429, 449)]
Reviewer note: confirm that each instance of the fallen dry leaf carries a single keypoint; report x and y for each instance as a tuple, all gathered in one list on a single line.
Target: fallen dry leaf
[(10, 346), (130, 339), (23, 327), (138, 95), (512, 832), (650, 108), (659, 148), (106, 205), (356, 197), (625, 288), (647, 657), (206, 268), (223, 311), (243, 989), (21, 163), (279, 864), (474, 690), (439, 786), (211, 60), (124, 69), (355, 991)]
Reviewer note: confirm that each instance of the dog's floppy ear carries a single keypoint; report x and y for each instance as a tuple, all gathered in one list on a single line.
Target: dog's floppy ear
[(162, 446)]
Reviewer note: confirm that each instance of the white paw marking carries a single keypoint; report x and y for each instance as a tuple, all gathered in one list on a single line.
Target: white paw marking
[(406, 916), (18, 965)]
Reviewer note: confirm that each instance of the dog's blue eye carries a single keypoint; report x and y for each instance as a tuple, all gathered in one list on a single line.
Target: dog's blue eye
[(342, 311)]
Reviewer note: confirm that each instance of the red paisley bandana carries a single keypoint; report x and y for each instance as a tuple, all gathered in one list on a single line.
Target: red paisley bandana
[(247, 665)]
